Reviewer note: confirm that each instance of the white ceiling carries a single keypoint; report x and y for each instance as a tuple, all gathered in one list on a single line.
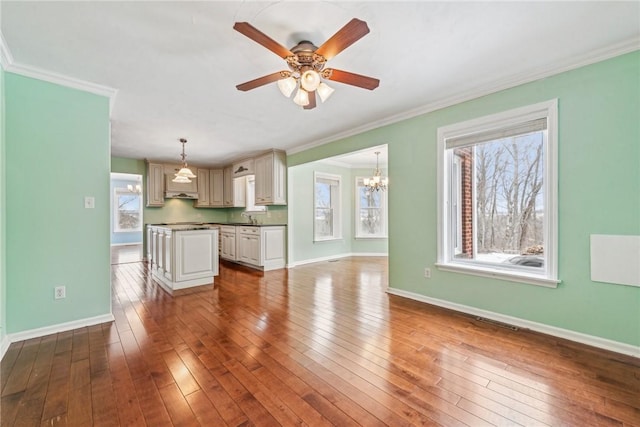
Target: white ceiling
[(175, 64)]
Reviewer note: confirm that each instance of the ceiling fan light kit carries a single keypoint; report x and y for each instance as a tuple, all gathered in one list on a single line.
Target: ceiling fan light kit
[(302, 97), (287, 86), (306, 62)]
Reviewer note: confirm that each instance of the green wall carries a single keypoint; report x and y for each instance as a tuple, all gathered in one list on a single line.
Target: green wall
[(57, 152), (3, 224), (599, 177)]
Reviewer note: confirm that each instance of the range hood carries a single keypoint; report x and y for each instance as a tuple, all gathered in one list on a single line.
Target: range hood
[(175, 190)]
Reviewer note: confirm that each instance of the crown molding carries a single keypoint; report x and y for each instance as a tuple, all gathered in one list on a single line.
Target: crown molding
[(578, 61), (62, 80), (9, 65), (5, 54)]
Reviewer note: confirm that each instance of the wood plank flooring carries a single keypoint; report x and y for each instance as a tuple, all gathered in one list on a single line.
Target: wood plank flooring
[(318, 345)]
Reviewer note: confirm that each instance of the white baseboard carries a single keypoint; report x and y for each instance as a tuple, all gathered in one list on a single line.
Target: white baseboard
[(127, 244), (591, 340), (4, 346), (53, 329), (334, 257)]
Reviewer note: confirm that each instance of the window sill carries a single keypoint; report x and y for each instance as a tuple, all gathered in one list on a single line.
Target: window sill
[(529, 279), (327, 239), (371, 237)]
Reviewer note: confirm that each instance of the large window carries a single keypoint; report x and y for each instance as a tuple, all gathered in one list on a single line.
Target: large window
[(497, 195), (128, 210), (371, 212), (327, 207)]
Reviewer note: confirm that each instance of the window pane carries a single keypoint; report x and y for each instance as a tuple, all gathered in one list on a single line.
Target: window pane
[(128, 212), (498, 195), (370, 221), (327, 207), (369, 198), (324, 222)]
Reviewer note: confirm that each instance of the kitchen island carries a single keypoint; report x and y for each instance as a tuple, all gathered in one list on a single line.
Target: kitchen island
[(182, 255)]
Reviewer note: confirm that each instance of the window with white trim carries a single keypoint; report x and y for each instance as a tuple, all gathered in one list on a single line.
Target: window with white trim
[(127, 210), (370, 212), (327, 191), (497, 195), (250, 197)]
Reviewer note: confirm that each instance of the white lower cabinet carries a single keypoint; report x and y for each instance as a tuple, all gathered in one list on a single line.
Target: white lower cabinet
[(261, 247), (183, 258), (249, 245), (228, 242)]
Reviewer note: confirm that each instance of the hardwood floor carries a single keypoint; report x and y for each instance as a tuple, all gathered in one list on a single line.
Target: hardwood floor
[(317, 345)]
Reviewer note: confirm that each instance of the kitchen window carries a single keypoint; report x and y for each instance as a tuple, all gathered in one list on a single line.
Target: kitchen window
[(371, 212), (327, 207), (127, 210), (251, 206), (497, 195)]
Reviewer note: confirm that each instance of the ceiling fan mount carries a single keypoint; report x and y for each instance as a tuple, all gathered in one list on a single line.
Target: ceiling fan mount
[(307, 62)]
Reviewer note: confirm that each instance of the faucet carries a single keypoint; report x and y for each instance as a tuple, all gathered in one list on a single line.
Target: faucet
[(252, 220)]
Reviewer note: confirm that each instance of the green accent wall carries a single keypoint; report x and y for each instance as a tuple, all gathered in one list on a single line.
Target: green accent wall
[(599, 178), (57, 152), (3, 222)]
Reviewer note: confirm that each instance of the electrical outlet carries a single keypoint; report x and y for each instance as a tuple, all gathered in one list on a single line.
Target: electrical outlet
[(427, 273), (60, 292)]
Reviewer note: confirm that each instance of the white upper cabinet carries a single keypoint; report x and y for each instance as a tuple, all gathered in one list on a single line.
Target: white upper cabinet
[(155, 184), (216, 188), (234, 189), (203, 189), (210, 188), (271, 178)]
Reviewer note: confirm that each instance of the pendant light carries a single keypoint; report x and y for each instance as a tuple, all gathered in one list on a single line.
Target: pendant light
[(184, 175)]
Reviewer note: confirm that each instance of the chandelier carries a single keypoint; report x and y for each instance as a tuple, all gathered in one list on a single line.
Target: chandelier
[(132, 189), (184, 175), (377, 182)]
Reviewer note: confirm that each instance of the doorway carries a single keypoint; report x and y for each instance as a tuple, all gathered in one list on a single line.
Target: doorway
[(126, 218), (361, 233)]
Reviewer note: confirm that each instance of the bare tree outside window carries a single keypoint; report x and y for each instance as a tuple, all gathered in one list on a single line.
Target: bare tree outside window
[(509, 199), (128, 211), (497, 204), (327, 207), (371, 212)]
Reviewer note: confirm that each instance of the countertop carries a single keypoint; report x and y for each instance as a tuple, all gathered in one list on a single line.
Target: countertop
[(185, 226)]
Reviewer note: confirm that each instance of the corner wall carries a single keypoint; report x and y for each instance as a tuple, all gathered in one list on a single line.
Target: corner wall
[(3, 224), (57, 152)]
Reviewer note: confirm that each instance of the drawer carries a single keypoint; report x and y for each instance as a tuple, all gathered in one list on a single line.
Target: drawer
[(228, 229), (249, 230)]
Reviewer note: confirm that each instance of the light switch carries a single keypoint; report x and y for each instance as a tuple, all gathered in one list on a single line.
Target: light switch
[(89, 202)]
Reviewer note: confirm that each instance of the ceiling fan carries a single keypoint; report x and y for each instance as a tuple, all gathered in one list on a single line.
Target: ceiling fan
[(307, 64)]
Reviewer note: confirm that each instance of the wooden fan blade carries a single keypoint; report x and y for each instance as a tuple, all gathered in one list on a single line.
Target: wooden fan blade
[(351, 78), (261, 81), (312, 101), (345, 37), (261, 38)]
